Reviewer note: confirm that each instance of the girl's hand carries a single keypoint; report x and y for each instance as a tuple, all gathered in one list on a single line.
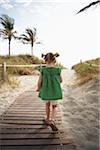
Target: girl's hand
[(37, 90)]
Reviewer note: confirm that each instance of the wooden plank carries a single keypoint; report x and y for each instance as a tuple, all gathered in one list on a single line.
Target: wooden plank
[(28, 112), (35, 142), (25, 122), (33, 116), (28, 136), (24, 118), (40, 147), (27, 100), (27, 103), (33, 109), (23, 112), (26, 97), (30, 108), (22, 115), (27, 107), (22, 126), (26, 131)]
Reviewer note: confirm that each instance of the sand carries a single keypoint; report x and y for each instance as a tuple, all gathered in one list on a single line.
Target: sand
[(80, 113)]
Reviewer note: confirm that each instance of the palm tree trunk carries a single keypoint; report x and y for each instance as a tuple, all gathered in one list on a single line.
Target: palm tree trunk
[(32, 50), (9, 46)]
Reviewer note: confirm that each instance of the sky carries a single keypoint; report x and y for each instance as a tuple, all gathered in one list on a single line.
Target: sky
[(59, 28)]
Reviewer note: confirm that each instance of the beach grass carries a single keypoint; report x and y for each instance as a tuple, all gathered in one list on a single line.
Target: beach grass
[(20, 60), (87, 70)]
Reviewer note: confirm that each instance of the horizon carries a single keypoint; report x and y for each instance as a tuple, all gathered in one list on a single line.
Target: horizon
[(74, 37)]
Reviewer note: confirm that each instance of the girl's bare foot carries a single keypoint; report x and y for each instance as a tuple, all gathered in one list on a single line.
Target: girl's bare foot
[(47, 122), (53, 125)]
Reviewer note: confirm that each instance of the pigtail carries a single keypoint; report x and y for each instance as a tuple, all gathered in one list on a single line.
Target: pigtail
[(50, 57), (42, 55), (56, 55)]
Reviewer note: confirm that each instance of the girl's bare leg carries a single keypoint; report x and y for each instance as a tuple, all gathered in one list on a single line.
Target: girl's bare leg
[(53, 112), (48, 111)]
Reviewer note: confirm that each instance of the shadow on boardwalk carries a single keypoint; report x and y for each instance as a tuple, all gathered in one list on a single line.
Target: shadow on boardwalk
[(22, 127)]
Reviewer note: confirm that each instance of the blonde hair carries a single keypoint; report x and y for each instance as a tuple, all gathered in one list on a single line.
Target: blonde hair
[(50, 57)]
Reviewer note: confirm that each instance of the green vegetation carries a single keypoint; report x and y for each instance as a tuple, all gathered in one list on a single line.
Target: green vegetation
[(87, 67), (87, 70), (20, 60)]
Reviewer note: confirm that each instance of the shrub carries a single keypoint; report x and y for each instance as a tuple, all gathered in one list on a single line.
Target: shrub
[(20, 60)]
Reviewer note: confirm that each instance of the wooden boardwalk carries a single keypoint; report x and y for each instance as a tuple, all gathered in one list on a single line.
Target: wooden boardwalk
[(22, 127)]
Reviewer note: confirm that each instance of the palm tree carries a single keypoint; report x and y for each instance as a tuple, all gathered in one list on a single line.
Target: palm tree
[(88, 6), (29, 37), (7, 32)]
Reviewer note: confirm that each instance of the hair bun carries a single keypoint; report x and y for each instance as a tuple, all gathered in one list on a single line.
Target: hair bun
[(56, 54)]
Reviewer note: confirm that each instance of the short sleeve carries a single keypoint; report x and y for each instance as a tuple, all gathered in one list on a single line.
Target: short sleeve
[(59, 71), (41, 70)]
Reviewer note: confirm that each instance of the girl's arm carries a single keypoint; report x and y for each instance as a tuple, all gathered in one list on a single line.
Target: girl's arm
[(39, 83), (60, 79)]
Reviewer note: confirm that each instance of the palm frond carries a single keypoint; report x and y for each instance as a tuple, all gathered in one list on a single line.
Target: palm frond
[(15, 37), (29, 32), (7, 22), (24, 37), (28, 36), (88, 6), (3, 32), (8, 26), (35, 32), (25, 42), (38, 42)]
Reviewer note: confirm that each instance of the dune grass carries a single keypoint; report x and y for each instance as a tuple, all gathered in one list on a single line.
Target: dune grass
[(87, 70), (20, 60)]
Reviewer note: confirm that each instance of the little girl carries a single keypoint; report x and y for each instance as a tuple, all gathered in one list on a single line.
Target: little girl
[(49, 85)]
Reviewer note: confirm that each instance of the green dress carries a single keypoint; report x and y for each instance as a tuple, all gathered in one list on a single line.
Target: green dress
[(50, 88)]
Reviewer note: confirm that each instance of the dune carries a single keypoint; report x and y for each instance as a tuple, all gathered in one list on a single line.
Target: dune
[(80, 113)]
